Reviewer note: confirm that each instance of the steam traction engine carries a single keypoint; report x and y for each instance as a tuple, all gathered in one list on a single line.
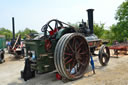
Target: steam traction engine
[(15, 47), (64, 48)]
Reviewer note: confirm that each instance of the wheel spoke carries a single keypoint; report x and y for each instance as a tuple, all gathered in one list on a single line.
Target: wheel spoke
[(79, 66), (84, 52), (68, 54), (78, 61), (79, 45), (73, 43), (70, 47), (68, 61), (75, 68), (66, 58), (104, 51), (72, 66)]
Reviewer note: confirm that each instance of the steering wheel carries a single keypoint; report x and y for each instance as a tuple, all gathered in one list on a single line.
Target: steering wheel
[(52, 26)]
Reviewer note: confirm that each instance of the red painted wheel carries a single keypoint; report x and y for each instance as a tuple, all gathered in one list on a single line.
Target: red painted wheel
[(71, 56)]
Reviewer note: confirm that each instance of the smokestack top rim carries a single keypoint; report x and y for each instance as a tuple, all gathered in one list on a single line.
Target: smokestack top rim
[(90, 9)]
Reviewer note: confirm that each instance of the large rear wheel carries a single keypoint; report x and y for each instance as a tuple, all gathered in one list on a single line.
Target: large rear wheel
[(71, 56)]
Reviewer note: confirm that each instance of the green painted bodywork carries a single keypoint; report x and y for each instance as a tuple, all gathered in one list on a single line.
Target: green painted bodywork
[(62, 32), (44, 59)]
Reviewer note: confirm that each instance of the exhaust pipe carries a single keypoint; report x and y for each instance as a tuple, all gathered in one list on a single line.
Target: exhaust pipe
[(13, 28), (90, 20)]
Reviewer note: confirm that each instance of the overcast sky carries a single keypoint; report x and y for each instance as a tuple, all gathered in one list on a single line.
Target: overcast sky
[(35, 13)]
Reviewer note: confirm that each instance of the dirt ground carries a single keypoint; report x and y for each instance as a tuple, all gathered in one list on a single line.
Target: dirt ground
[(115, 73)]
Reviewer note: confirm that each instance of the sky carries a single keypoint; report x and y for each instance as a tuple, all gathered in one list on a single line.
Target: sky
[(34, 14)]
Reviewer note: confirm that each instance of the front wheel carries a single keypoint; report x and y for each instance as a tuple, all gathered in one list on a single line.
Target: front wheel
[(104, 55)]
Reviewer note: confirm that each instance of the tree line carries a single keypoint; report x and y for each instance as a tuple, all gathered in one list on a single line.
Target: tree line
[(8, 34), (119, 31)]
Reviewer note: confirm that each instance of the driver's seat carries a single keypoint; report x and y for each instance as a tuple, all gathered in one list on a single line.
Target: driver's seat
[(53, 31)]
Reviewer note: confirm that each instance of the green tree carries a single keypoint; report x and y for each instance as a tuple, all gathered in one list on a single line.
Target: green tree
[(6, 32), (25, 32), (122, 12), (99, 30), (120, 30), (76, 25)]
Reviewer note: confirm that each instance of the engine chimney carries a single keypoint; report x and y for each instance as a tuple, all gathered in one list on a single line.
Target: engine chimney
[(90, 19), (13, 28)]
